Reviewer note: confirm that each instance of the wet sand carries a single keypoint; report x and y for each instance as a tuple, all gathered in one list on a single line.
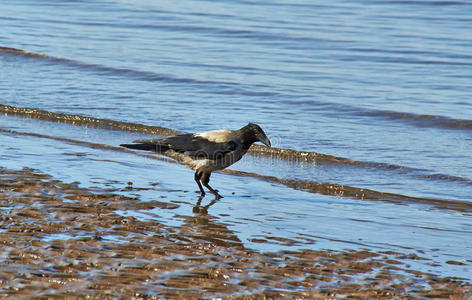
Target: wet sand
[(59, 240)]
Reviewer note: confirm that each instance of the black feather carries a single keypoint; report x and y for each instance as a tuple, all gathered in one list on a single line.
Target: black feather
[(143, 146), (189, 144)]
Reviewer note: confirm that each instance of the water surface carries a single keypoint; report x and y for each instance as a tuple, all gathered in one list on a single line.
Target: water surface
[(384, 84)]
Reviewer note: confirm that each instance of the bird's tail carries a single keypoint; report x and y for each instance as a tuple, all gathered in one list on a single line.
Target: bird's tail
[(148, 147)]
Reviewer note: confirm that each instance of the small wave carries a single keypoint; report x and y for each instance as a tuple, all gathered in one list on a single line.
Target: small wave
[(79, 120), (379, 51), (105, 70), (422, 120), (333, 189), (417, 120), (404, 60), (83, 143), (256, 150), (444, 177), (412, 119), (225, 88), (314, 157), (29, 54), (424, 3)]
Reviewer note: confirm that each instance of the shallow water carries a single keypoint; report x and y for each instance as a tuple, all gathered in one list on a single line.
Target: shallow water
[(384, 84)]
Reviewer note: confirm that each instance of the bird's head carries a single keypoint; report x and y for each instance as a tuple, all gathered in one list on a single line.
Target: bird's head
[(254, 133)]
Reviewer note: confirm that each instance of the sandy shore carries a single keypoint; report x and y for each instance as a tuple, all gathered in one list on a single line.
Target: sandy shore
[(60, 240)]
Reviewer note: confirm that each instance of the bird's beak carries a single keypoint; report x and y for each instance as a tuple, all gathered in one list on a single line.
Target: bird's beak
[(263, 139)]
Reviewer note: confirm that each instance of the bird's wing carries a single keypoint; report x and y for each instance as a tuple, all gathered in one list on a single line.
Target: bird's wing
[(177, 142), (211, 150), (193, 145)]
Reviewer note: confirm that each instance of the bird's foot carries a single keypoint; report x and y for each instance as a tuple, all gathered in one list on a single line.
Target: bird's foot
[(214, 192), (217, 196)]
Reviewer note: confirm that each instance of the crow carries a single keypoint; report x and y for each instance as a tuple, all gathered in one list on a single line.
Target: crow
[(206, 152)]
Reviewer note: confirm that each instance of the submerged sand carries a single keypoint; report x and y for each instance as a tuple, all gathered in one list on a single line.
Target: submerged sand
[(59, 240)]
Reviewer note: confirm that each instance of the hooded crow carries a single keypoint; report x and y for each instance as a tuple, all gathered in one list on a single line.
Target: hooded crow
[(206, 152)]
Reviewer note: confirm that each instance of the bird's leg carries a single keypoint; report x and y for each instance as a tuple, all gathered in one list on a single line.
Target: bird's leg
[(205, 180), (197, 177)]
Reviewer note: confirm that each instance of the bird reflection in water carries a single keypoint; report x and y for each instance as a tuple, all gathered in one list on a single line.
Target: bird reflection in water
[(199, 209)]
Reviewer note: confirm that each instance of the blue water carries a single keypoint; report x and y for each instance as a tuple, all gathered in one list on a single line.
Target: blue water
[(387, 82)]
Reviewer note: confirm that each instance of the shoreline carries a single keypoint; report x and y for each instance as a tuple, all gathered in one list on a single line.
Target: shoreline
[(61, 240)]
